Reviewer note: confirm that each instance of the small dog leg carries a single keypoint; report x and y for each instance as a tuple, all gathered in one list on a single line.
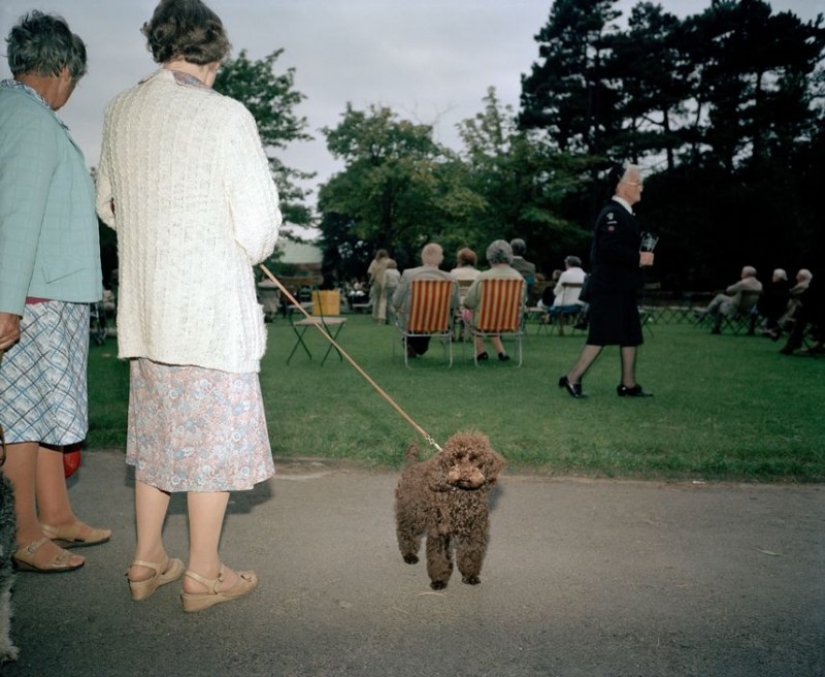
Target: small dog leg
[(439, 563), (470, 555)]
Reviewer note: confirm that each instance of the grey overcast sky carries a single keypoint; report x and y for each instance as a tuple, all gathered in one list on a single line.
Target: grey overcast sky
[(429, 60)]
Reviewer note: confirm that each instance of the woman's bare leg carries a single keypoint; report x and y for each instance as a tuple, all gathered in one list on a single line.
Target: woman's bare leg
[(151, 505), (50, 488), (206, 514), (22, 468)]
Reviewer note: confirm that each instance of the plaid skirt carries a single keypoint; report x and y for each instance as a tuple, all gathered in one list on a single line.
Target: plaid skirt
[(43, 395), (196, 429)]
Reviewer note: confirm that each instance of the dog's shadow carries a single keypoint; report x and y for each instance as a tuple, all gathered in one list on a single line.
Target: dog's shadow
[(494, 496)]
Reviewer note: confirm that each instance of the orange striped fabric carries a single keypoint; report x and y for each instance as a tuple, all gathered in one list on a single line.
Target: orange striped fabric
[(429, 310), (500, 307)]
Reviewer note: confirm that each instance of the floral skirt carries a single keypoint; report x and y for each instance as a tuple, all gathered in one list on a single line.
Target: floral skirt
[(196, 429)]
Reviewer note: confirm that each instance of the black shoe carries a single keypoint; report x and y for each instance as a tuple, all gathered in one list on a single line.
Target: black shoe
[(481, 357), (715, 331), (636, 391), (503, 357), (573, 389)]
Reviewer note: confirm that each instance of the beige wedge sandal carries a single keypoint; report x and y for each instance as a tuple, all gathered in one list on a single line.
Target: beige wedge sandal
[(169, 571), (198, 601)]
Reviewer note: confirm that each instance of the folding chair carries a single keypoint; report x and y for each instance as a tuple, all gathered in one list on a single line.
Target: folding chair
[(500, 311), (326, 311), (429, 314), (743, 319), (458, 320)]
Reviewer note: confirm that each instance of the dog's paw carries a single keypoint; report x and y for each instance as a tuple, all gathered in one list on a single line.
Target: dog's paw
[(411, 559), (471, 580), (438, 585)]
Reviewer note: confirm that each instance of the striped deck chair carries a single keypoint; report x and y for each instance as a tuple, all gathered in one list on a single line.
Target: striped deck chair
[(500, 311), (429, 314)]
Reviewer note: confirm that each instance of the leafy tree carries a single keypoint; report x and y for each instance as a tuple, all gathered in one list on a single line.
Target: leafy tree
[(271, 98), (657, 80), (755, 70), (566, 94), (395, 191), (522, 183)]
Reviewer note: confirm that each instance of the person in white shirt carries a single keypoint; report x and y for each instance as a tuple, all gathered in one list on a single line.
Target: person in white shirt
[(566, 299)]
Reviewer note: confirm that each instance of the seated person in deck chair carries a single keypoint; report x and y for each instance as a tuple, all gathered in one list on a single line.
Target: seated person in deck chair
[(566, 301), (431, 257), (499, 256), (738, 299)]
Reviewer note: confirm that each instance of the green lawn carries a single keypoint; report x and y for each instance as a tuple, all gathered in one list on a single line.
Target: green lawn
[(725, 407)]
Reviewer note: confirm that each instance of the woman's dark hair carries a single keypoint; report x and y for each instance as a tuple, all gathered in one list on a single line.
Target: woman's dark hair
[(188, 30), (43, 44), (519, 246), (466, 257)]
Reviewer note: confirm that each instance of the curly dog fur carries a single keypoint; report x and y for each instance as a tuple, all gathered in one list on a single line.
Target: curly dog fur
[(445, 497), (8, 526)]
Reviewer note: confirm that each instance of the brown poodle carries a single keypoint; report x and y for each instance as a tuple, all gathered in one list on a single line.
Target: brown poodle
[(446, 498)]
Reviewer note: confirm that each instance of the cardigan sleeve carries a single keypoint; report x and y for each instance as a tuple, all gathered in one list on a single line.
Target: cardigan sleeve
[(250, 190), (28, 159), (104, 200)]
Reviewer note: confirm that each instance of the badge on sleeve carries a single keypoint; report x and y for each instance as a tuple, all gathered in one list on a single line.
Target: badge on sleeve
[(611, 221)]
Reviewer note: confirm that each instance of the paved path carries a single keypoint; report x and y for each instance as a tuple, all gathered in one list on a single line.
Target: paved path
[(582, 578)]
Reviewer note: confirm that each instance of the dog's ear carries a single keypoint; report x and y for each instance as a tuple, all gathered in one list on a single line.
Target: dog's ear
[(412, 454), (439, 468), (492, 464)]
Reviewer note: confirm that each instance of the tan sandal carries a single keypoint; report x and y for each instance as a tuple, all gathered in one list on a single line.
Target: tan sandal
[(77, 535), (169, 571), (198, 601), (25, 559)]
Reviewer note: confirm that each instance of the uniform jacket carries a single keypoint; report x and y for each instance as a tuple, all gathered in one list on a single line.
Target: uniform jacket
[(614, 255)]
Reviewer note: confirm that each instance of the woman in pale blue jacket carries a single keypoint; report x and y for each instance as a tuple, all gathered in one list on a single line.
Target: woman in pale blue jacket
[(49, 274)]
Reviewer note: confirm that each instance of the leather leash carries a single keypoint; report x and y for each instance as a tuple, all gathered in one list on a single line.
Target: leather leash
[(357, 368)]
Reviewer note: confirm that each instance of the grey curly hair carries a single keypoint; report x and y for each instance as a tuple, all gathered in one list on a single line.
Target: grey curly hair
[(499, 251), (43, 44)]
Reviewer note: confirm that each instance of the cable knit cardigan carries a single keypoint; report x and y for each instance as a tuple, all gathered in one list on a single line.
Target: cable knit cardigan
[(184, 181)]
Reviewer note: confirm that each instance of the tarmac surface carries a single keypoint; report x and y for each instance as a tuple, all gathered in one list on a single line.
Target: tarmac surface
[(581, 578)]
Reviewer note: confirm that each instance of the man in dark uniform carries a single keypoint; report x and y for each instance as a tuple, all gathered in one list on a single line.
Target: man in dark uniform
[(615, 280)]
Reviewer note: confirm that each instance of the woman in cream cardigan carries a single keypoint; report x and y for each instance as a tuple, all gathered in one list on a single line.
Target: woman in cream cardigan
[(185, 182)]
